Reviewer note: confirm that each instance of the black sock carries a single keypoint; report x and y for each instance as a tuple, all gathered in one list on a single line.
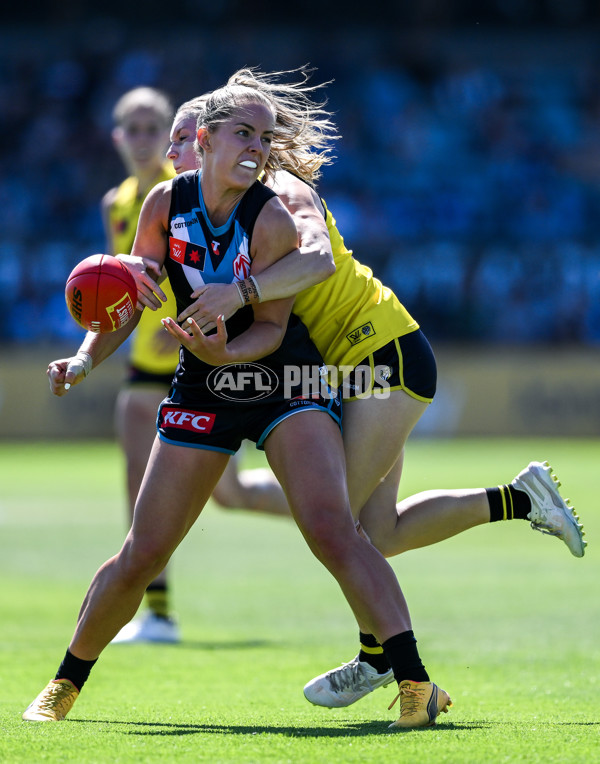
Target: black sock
[(74, 669), (401, 651), (508, 503), (157, 599), (371, 652)]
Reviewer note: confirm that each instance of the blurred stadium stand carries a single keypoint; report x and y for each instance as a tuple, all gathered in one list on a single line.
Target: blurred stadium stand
[(468, 175)]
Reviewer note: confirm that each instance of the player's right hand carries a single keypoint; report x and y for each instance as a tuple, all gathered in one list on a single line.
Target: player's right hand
[(210, 302), (64, 373)]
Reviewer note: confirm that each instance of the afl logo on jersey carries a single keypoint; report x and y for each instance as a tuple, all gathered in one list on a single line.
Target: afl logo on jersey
[(242, 382)]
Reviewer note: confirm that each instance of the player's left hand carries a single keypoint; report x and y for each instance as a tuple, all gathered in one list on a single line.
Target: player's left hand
[(211, 301), (210, 349), (147, 274)]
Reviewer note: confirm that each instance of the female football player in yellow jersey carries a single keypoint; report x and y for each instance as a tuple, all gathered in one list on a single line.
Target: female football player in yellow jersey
[(389, 377), (143, 118)]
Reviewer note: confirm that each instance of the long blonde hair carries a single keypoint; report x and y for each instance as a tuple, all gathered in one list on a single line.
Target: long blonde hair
[(303, 128)]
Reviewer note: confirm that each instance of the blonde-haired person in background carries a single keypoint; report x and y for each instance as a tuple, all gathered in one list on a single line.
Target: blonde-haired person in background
[(142, 120)]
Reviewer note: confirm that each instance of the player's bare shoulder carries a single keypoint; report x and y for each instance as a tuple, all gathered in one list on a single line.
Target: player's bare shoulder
[(153, 222), (295, 193), (158, 200), (156, 206)]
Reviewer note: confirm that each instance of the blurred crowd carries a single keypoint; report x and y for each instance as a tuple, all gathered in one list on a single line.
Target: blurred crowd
[(467, 176)]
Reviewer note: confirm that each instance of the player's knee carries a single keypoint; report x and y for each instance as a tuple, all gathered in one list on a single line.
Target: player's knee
[(329, 538), (387, 542), (389, 547), (142, 561)]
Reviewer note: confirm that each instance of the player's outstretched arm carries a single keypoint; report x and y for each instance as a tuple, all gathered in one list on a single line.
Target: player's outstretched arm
[(95, 348), (314, 261)]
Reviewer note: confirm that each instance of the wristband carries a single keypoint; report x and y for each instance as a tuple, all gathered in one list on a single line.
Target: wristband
[(256, 287), (237, 283), (244, 292), (248, 291)]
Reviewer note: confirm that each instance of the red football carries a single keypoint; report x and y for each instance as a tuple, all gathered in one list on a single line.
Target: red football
[(101, 293)]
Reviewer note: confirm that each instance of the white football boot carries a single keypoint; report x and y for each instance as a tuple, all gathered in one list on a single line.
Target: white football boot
[(346, 684), (550, 514), (149, 628)]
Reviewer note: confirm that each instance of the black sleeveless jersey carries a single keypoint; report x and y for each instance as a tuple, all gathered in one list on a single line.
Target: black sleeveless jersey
[(200, 253)]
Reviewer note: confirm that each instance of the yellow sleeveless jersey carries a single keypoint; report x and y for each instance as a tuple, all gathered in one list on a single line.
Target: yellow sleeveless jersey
[(351, 314), (151, 349)]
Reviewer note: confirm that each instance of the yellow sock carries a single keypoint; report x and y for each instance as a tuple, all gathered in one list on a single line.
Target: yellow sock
[(158, 602)]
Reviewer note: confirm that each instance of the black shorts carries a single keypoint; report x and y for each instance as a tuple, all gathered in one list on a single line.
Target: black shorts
[(138, 377), (406, 363), (198, 417)]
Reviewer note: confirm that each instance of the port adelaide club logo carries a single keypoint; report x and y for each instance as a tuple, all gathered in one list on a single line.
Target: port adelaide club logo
[(242, 382)]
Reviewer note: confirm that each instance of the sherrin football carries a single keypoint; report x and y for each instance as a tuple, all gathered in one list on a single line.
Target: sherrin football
[(101, 293)]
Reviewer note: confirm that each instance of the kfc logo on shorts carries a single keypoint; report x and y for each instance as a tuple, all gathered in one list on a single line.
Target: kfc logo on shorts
[(194, 421)]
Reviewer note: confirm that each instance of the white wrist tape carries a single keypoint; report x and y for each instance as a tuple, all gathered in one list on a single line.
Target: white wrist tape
[(83, 361)]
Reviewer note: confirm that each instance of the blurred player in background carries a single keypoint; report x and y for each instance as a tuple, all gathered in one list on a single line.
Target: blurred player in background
[(142, 118)]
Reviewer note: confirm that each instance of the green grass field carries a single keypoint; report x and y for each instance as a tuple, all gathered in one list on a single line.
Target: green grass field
[(507, 621)]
